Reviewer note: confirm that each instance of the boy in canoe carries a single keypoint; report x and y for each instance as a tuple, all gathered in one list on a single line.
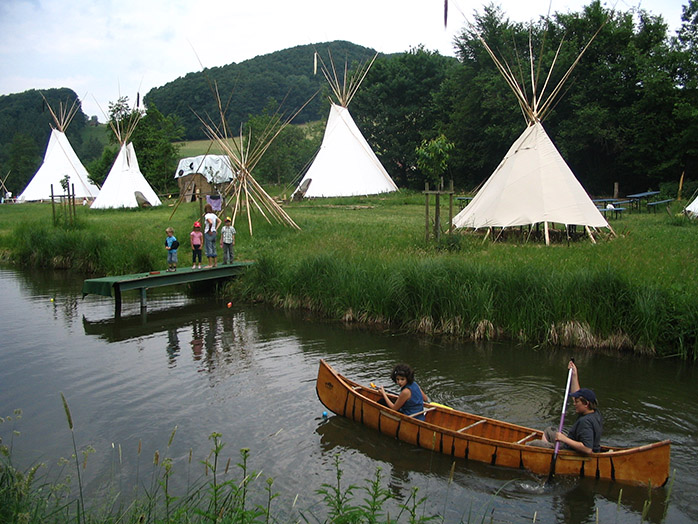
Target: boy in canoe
[(411, 398), (585, 434)]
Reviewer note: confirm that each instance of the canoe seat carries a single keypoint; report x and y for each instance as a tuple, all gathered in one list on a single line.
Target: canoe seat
[(423, 412), (527, 437), (466, 428)]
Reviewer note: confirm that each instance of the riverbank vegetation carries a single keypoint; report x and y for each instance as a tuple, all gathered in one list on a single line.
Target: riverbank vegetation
[(226, 490), (366, 260)]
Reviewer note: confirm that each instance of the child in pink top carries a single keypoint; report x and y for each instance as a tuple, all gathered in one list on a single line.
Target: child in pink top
[(197, 240)]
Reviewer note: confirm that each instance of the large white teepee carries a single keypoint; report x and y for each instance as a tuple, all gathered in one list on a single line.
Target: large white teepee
[(125, 185), (60, 161), (345, 165), (533, 183)]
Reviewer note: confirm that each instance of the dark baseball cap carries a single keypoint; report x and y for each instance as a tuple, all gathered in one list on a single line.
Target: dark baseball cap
[(585, 393)]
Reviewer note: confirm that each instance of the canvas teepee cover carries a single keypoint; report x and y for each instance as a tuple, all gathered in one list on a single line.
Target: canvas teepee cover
[(60, 161), (533, 183), (345, 164), (125, 185)]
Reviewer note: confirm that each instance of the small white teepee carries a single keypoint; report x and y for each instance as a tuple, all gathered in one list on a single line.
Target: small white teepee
[(692, 208), (60, 161), (345, 165), (125, 185), (532, 184)]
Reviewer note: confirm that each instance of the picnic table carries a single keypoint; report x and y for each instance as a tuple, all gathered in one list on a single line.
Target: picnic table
[(638, 197), (603, 200), (463, 201)]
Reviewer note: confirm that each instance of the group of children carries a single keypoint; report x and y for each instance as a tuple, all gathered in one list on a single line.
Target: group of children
[(199, 238)]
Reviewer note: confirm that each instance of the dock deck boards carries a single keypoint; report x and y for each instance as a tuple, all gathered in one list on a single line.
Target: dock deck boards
[(113, 286), (106, 286)]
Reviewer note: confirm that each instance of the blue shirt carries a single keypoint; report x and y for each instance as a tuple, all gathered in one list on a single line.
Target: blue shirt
[(415, 403), (169, 241)]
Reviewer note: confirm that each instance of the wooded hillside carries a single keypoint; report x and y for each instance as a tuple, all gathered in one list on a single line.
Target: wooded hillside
[(284, 77)]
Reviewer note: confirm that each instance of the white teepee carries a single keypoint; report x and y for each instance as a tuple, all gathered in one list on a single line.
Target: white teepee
[(532, 184), (692, 208), (60, 161), (345, 165), (125, 185)]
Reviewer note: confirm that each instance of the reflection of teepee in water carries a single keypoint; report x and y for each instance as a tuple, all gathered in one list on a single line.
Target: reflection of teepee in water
[(60, 161), (245, 153), (533, 183), (345, 165), (125, 185)]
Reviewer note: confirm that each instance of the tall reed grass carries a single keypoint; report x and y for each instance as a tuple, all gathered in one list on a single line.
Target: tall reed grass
[(588, 308)]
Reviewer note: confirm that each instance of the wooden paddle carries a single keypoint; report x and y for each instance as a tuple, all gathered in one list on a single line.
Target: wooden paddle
[(553, 461)]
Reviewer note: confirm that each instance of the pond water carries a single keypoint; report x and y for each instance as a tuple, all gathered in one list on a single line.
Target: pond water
[(248, 373)]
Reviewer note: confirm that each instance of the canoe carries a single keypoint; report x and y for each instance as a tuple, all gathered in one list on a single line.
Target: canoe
[(473, 437)]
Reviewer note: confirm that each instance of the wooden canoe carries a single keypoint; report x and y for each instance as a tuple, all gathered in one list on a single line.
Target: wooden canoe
[(483, 439)]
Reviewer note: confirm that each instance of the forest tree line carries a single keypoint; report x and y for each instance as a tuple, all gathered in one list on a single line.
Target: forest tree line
[(628, 113)]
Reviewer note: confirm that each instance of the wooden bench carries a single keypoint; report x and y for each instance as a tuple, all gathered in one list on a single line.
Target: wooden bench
[(466, 428), (625, 204), (653, 205), (615, 211), (423, 412), (521, 441)]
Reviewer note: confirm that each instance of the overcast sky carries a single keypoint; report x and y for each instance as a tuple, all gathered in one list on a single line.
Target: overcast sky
[(105, 48)]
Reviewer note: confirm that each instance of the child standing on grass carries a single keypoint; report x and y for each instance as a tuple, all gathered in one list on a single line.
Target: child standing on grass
[(171, 245), (228, 241), (197, 240)]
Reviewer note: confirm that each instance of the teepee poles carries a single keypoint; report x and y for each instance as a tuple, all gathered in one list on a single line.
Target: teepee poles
[(345, 89), (244, 154), (64, 115), (539, 104)]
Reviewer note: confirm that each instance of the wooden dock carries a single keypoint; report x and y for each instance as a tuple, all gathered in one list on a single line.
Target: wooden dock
[(114, 286)]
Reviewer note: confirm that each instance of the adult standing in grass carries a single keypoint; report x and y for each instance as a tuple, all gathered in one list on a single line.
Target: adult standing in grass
[(585, 434), (211, 225), (228, 241)]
